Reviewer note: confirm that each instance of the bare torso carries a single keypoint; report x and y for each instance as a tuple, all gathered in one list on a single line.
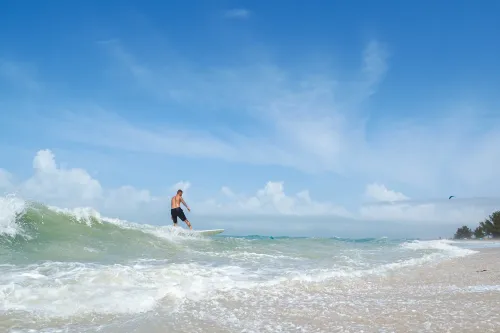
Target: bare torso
[(175, 202)]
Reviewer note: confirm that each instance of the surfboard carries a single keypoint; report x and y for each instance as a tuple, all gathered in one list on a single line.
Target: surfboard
[(208, 232)]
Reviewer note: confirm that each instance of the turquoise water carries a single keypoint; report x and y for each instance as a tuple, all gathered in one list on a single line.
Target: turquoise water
[(76, 271)]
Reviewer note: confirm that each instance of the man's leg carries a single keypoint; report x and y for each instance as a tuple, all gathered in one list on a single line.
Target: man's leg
[(183, 218), (174, 218)]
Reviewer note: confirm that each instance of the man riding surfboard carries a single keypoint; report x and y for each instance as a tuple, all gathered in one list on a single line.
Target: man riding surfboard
[(176, 210)]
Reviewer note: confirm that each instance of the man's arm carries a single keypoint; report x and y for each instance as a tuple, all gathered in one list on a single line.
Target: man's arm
[(185, 204)]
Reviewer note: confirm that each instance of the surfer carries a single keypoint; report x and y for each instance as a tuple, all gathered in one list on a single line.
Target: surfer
[(176, 210)]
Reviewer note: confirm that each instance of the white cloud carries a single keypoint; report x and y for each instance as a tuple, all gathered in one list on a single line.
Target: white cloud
[(51, 183), (392, 206), (182, 185), (237, 13), (75, 187), (272, 201), (44, 161), (381, 193)]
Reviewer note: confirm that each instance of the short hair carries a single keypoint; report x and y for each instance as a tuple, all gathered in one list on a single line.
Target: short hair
[(179, 191)]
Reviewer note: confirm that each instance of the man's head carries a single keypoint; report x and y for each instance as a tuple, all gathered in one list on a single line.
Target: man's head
[(179, 192)]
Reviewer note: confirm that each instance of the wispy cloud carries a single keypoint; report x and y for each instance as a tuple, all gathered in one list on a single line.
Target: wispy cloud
[(21, 75), (237, 13), (374, 64), (293, 122), (296, 119)]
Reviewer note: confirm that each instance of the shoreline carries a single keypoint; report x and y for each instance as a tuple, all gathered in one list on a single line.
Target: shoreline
[(476, 240), (459, 294)]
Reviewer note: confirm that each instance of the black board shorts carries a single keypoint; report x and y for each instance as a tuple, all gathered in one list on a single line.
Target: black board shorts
[(177, 212)]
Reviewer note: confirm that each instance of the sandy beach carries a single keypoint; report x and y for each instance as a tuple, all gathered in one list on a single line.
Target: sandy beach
[(458, 295)]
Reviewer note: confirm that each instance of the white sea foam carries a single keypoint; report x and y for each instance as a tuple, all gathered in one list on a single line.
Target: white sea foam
[(87, 215), (68, 289), (445, 251), (439, 244), (10, 208), (247, 256)]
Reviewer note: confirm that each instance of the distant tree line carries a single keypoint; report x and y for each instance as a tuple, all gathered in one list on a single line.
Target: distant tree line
[(489, 227)]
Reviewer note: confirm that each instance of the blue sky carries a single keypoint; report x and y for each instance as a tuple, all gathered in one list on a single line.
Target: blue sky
[(355, 102)]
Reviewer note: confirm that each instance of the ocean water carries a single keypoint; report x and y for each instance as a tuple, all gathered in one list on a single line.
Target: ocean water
[(76, 271)]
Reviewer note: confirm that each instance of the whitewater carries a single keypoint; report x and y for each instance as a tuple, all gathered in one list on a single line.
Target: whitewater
[(76, 271)]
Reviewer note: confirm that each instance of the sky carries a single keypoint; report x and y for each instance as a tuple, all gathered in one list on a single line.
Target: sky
[(350, 119)]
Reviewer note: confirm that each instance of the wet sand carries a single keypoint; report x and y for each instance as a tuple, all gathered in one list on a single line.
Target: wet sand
[(458, 295)]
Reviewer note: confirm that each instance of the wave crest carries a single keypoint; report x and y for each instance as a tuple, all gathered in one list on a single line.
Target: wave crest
[(50, 233)]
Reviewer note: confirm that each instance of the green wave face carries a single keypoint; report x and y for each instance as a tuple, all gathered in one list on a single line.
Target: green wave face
[(45, 234), (34, 233)]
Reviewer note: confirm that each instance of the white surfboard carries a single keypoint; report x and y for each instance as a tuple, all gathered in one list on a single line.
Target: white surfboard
[(208, 232)]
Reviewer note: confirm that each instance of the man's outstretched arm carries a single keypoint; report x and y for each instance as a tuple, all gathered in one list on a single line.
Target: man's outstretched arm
[(185, 204)]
